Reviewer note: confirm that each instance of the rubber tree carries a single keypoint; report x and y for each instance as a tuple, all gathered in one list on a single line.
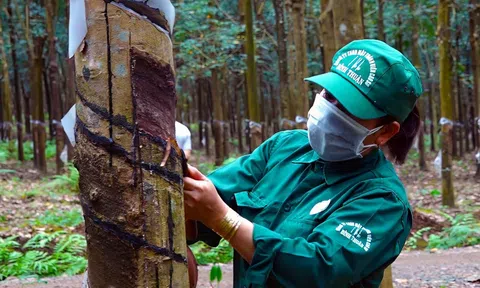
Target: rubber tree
[(474, 15), (51, 7), (131, 187), (380, 24), (279, 6), (251, 76), (328, 36), (6, 95), (446, 109), (301, 68), (16, 79), (418, 64)]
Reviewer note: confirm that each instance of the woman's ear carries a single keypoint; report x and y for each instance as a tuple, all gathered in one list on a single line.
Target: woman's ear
[(387, 133)]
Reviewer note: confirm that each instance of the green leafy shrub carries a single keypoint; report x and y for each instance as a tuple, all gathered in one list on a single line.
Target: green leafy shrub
[(464, 231), (205, 254), (44, 255), (58, 218), (66, 183), (412, 242)]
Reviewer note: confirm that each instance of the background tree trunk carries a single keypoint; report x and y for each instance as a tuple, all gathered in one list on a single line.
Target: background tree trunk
[(380, 24), (129, 163), (328, 36), (16, 79), (252, 90), (475, 51), (301, 71), (418, 64), (448, 197), (347, 22), (282, 56), (6, 95)]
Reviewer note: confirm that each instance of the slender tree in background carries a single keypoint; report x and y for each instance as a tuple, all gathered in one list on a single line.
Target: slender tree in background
[(418, 64), (399, 34), (291, 64), (474, 15), (279, 6), (448, 196), (6, 95), (328, 36), (16, 79), (252, 90), (301, 68), (38, 115), (380, 24), (347, 22), (129, 163), (56, 103)]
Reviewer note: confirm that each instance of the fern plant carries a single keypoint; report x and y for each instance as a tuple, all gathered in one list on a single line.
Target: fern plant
[(67, 256), (412, 242), (464, 231)]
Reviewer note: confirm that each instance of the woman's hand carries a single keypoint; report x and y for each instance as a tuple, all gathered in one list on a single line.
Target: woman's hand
[(202, 201)]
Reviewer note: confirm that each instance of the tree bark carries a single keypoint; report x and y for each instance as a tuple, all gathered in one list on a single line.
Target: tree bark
[(282, 55), (38, 117), (16, 79), (448, 196), (418, 64), (380, 25), (54, 83), (399, 36), (129, 163), (301, 71), (217, 127), (347, 22), (6, 95), (474, 22), (251, 75), (328, 36)]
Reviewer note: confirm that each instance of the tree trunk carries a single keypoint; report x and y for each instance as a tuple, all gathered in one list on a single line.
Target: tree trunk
[(328, 36), (399, 36), (418, 64), (301, 71), (459, 108), (47, 95), (475, 51), (380, 25), (38, 117), (130, 166), (291, 62), (217, 127), (16, 79), (347, 22), (54, 83), (5, 91), (448, 197), (252, 90)]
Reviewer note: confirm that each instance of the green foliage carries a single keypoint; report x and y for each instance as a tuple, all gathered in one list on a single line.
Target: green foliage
[(412, 242), (205, 254), (464, 231), (65, 183), (59, 219), (216, 273), (6, 153), (43, 255)]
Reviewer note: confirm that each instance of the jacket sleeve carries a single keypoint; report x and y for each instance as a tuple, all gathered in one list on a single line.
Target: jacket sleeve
[(357, 239), (240, 175)]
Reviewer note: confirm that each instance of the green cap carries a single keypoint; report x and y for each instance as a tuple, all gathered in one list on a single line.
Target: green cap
[(371, 80)]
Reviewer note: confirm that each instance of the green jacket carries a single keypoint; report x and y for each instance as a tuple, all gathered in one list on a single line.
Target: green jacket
[(316, 224)]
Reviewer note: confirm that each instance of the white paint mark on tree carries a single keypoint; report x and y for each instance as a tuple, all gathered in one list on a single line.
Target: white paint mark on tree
[(343, 29)]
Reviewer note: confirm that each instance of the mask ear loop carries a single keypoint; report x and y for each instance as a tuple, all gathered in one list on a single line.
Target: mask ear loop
[(373, 145)]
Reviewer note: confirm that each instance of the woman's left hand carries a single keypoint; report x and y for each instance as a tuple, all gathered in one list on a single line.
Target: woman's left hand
[(202, 202)]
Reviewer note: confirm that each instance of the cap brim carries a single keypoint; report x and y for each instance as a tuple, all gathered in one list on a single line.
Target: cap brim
[(348, 95)]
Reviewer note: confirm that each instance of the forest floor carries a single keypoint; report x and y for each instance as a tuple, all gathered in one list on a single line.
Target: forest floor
[(26, 196)]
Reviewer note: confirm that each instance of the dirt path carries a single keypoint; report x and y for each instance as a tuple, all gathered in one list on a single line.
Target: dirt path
[(453, 268)]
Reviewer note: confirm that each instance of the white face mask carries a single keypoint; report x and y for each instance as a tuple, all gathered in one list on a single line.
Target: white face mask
[(333, 134)]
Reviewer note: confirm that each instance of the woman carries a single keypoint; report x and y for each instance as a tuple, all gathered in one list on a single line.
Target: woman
[(323, 207)]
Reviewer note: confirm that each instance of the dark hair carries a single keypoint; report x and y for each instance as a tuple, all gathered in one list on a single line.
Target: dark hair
[(399, 145)]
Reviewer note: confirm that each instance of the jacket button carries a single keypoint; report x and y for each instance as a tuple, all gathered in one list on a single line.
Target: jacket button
[(287, 207)]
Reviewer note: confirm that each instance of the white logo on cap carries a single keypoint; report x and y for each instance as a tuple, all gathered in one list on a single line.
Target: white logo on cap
[(361, 56)]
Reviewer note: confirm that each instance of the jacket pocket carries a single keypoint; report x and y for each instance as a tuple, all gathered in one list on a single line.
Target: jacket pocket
[(249, 205)]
